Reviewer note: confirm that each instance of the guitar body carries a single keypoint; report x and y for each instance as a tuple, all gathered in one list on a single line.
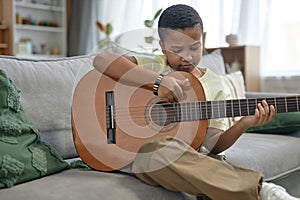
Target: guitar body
[(131, 115)]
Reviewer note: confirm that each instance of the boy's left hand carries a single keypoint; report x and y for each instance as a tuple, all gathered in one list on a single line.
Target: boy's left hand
[(263, 114)]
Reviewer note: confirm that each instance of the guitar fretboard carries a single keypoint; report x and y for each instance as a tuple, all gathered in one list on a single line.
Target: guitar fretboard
[(190, 111)]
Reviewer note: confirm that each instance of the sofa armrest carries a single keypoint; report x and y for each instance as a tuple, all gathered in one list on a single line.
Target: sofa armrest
[(267, 94)]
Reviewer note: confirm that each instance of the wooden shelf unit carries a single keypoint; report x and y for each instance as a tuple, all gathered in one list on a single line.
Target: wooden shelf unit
[(44, 25), (3, 37), (249, 58), (4, 34)]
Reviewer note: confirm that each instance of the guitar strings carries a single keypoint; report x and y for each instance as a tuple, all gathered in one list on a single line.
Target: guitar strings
[(138, 112), (209, 105), (189, 105), (141, 117)]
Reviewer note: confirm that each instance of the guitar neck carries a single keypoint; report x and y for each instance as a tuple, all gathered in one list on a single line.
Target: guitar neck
[(190, 111)]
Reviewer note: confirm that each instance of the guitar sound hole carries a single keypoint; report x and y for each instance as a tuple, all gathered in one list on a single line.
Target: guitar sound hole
[(162, 114)]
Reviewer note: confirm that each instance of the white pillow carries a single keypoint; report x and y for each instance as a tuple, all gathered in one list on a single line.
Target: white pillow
[(236, 85), (214, 61)]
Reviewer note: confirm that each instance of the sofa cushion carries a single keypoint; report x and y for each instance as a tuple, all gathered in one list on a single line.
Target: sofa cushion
[(46, 93), (273, 155), (23, 156), (74, 184)]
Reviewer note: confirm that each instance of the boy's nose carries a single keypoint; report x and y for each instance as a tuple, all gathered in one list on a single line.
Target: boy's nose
[(187, 57)]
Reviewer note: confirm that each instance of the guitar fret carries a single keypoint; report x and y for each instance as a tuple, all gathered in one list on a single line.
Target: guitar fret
[(203, 110), (270, 101), (192, 115), (288, 104), (199, 110), (175, 110), (215, 110), (280, 104), (222, 109), (178, 112), (237, 108), (187, 114), (188, 111), (225, 109), (240, 107), (200, 113), (218, 110), (209, 109), (183, 116), (244, 107), (196, 111), (232, 108), (252, 105), (193, 111), (219, 113), (286, 108), (183, 112), (248, 107), (228, 108), (291, 104), (206, 111), (297, 100)]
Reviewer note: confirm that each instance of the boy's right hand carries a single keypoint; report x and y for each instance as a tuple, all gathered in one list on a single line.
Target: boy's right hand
[(172, 89)]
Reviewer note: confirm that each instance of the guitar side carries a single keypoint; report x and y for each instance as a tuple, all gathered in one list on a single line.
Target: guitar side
[(129, 120)]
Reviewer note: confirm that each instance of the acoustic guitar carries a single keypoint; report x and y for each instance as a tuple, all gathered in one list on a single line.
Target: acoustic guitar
[(111, 120)]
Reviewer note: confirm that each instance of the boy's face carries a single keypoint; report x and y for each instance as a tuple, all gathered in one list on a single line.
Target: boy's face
[(183, 48)]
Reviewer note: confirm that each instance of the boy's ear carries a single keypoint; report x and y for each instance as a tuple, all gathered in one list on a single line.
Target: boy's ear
[(162, 46)]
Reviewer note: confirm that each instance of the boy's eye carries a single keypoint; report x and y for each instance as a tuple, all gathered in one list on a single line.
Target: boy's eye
[(194, 48), (175, 50)]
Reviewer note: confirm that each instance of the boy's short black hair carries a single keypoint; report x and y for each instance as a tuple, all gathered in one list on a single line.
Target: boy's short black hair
[(178, 16)]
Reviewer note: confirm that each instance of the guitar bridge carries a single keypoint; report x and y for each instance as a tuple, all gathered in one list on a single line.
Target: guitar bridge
[(110, 118)]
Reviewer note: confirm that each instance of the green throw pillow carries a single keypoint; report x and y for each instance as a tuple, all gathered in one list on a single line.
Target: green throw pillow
[(23, 156), (281, 123)]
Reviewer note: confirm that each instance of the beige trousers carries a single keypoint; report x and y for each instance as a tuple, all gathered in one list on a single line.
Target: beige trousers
[(176, 166)]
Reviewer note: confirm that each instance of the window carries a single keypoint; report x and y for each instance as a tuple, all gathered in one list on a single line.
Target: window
[(272, 24), (281, 43), (217, 16)]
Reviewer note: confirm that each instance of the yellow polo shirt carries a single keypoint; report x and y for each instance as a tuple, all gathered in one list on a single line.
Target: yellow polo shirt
[(214, 85)]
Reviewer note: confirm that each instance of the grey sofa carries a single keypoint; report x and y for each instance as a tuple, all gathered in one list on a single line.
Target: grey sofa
[(46, 94)]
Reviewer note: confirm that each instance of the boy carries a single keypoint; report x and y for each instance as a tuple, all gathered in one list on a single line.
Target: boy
[(169, 161)]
